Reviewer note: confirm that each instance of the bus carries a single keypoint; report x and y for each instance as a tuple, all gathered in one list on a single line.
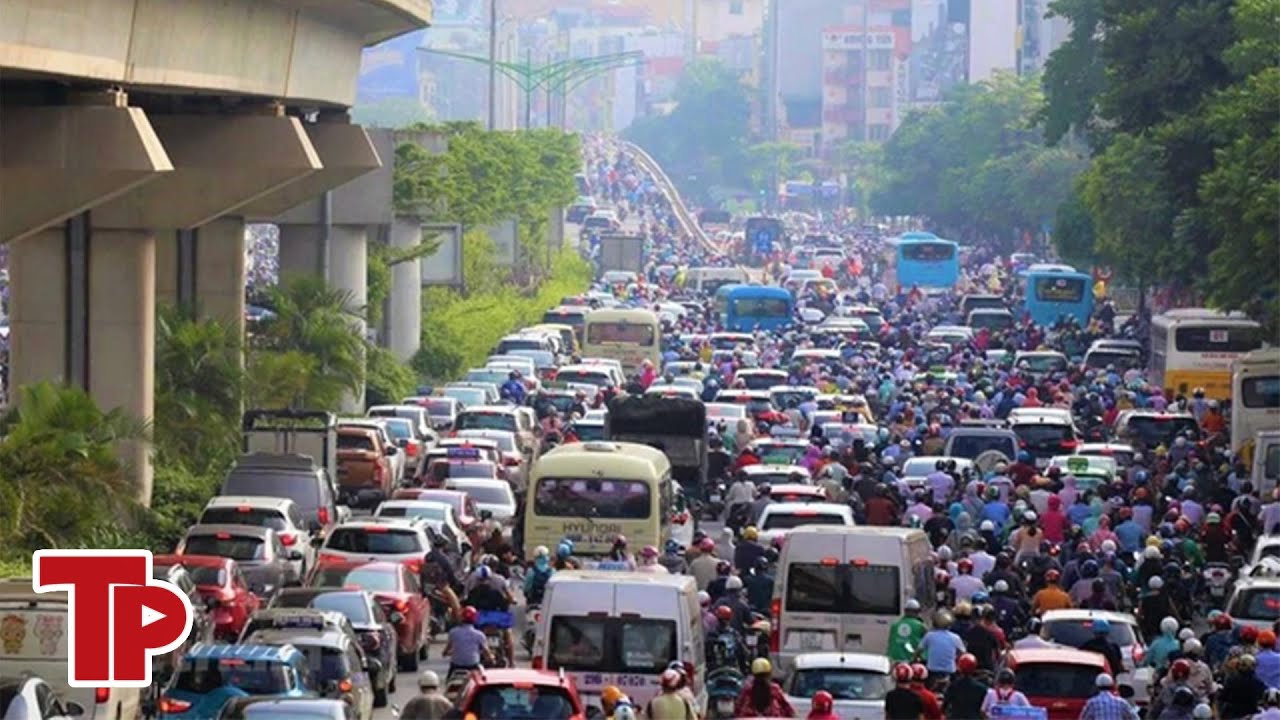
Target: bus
[(1051, 294), (720, 301), (924, 260), (629, 336), (1255, 392), (748, 307), (1194, 348)]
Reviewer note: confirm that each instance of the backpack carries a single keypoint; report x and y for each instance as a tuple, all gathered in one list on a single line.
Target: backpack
[(538, 588)]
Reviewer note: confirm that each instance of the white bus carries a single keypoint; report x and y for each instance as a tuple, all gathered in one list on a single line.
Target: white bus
[(1255, 393), (1194, 348), (628, 336)]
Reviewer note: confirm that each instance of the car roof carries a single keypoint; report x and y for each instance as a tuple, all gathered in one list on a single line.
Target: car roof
[(854, 661), (262, 533), (1080, 615), (328, 637), (775, 469), (778, 508), (260, 502), (1056, 655), (194, 560), (507, 676), (261, 653), (381, 522)]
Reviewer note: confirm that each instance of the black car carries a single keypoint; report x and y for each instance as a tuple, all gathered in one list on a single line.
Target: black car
[(376, 633)]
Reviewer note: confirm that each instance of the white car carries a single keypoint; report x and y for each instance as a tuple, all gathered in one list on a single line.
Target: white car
[(31, 697), (916, 470), (279, 514), (778, 519), (857, 681), (494, 496), (1073, 628)]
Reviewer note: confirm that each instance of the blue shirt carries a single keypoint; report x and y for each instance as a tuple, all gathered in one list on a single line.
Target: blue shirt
[(941, 648), (997, 512), (1269, 668), (1106, 705), (468, 645), (1130, 535)]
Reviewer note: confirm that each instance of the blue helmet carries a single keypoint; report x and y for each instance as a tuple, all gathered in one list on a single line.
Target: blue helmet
[(1140, 477), (1024, 457), (1089, 568), (564, 550), (1101, 626), (673, 546), (980, 598)]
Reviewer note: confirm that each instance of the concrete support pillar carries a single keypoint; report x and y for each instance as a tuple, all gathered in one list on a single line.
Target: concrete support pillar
[(38, 298), (220, 270), (404, 306)]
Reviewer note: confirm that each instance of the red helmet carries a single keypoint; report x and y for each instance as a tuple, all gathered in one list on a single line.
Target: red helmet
[(1248, 634), (1052, 576), (823, 702), (1222, 622), (724, 612), (919, 672), (967, 663), (469, 615), (902, 672), (965, 566), (1267, 638), (1180, 669)]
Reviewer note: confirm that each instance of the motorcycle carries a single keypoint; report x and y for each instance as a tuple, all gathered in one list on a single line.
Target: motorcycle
[(714, 506), (739, 517), (494, 623), (1216, 581), (724, 685), (757, 637), (531, 621)]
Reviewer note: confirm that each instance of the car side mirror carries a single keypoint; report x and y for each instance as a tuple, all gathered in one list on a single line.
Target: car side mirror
[(210, 603), (396, 618), (486, 515), (73, 709), (390, 450), (372, 666), (295, 555)]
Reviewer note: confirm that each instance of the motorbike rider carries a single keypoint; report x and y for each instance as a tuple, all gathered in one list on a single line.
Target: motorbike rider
[(965, 693), (905, 634), (759, 585), (725, 646), (761, 696), (609, 698), (822, 707), (535, 581), (902, 702), (467, 647), (438, 575), (1102, 643), (748, 551), (489, 593), (564, 556), (941, 648), (919, 685), (648, 561), (430, 704), (670, 702), (619, 553), (1004, 693), (673, 557), (1159, 650), (513, 390)]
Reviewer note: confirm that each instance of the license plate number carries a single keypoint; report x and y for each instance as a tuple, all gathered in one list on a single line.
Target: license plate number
[(725, 707), (715, 497), (811, 641)]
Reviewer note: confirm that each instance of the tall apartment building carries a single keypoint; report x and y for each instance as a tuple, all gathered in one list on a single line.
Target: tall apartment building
[(848, 110)]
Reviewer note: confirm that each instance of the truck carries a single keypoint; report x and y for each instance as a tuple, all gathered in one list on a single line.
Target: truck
[(308, 433), (621, 252), (676, 426)]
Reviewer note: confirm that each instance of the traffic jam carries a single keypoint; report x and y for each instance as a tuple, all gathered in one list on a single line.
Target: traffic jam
[(785, 466)]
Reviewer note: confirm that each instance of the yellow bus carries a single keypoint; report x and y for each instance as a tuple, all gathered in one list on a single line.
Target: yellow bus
[(593, 492), (629, 336), (1194, 348), (1255, 392)]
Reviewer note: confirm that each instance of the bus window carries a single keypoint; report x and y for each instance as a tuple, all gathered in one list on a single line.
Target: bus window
[(1220, 339), (629, 333), (1260, 392), (928, 252), (761, 307), (593, 498), (1060, 289)]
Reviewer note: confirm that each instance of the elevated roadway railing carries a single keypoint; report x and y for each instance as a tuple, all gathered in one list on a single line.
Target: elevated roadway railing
[(688, 223)]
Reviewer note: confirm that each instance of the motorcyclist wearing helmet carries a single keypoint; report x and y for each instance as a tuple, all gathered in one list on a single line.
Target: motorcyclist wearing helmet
[(941, 648), (673, 557), (1271, 701), (748, 550), (670, 702), (1051, 596), (1102, 643), (1242, 692), (920, 685), (1219, 640), (822, 707), (439, 577), (725, 645), (902, 702), (760, 696), (609, 698), (430, 704), (489, 593), (905, 634), (1004, 693), (535, 581), (513, 390), (619, 553), (1167, 703), (467, 646), (758, 584), (648, 561), (716, 588), (1160, 649), (733, 598), (965, 692), (564, 556)]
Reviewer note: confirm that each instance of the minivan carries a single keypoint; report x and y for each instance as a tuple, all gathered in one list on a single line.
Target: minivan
[(839, 588), (608, 627)]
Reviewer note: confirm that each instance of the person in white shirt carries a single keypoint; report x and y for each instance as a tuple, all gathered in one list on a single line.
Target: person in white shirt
[(965, 583), (1035, 637), (983, 561), (1003, 694)]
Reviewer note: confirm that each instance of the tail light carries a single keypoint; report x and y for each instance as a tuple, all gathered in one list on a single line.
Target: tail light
[(323, 515), (172, 705), (775, 634), (326, 558), (510, 461), (1069, 444), (536, 662), (411, 449), (102, 694), (1139, 654), (415, 565), (379, 473), (345, 686), (288, 539)]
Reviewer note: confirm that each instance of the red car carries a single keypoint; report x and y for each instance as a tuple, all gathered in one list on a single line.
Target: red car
[(399, 592), (221, 583), (518, 692), (1060, 680)]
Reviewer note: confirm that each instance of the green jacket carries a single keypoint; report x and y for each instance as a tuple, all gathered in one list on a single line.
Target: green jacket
[(904, 639)]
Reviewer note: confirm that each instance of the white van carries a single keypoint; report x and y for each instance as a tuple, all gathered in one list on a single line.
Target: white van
[(33, 641), (620, 628), (838, 589)]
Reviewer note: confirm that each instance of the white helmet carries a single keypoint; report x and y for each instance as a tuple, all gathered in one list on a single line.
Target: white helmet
[(624, 712), (1156, 582), (1002, 586), (1103, 680), (1168, 626), (733, 583), (1202, 712), (704, 598), (1108, 546), (944, 552), (913, 604), (541, 551), (1186, 634), (428, 680), (1192, 647), (987, 526)]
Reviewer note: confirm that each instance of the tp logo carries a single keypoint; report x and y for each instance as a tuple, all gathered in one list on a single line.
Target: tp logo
[(118, 617)]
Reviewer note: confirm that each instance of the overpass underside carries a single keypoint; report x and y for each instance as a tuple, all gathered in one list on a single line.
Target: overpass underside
[(136, 139)]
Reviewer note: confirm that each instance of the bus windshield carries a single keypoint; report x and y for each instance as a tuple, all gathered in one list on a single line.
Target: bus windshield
[(928, 252), (761, 307), (593, 498), (620, 332), (1060, 289)]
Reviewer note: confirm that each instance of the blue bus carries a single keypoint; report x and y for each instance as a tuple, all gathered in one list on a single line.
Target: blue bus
[(925, 260), (747, 307), (1050, 294)]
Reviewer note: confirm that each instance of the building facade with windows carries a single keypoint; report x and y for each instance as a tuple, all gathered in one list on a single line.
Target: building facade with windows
[(849, 112)]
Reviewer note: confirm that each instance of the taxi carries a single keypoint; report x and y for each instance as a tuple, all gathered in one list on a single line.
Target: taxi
[(339, 667), (780, 451), (1059, 680), (210, 675), (1090, 471)]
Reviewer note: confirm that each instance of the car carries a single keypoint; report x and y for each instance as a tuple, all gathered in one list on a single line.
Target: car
[(493, 498), (30, 698), (841, 434), (395, 456), (417, 413), (970, 441), (797, 493), (280, 514), (729, 413), (366, 473), (583, 374), (1122, 452), (390, 539), (1041, 363), (788, 396), (580, 209), (732, 340), (1090, 471), (296, 477), (220, 586), (464, 508), (1073, 628), (1059, 680), (518, 420), (916, 470), (458, 462), (1255, 601), (760, 378), (992, 319), (1154, 427), (299, 619), (518, 692), (267, 564), (857, 681), (441, 410), (1265, 546), (256, 707), (514, 461), (397, 589), (780, 451), (339, 667), (372, 625), (197, 691), (953, 335), (777, 519), (673, 390), (777, 474), (585, 429), (404, 433), (1044, 432), (1119, 359)]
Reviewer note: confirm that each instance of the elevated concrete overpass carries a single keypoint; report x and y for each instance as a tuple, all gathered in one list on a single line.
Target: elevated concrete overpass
[(136, 138)]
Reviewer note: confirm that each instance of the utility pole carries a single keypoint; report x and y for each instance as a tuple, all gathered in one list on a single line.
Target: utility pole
[(866, 70), (493, 65)]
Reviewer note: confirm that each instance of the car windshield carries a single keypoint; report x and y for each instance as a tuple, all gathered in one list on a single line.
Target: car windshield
[(1257, 604), (1042, 436), (374, 541), (399, 429), (366, 578), (430, 512), (788, 521), (355, 441), (327, 664), (842, 684), (1056, 680), (445, 469), (843, 589), (486, 421), (473, 396), (302, 488), (593, 498), (586, 377), (243, 516), (1102, 358), (971, 446), (771, 454), (226, 545), (351, 604), (1154, 430), (508, 702), (1043, 363), (254, 678), (506, 442), (587, 432), (1077, 632)]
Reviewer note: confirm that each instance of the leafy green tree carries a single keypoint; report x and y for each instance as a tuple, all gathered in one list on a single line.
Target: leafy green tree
[(62, 477), (1074, 76), (199, 387)]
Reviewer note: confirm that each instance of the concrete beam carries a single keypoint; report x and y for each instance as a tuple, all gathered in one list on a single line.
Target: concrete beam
[(345, 153), (56, 162), (221, 163)]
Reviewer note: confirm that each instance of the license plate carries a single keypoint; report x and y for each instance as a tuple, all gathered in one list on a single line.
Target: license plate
[(715, 497), (724, 706), (811, 641)]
